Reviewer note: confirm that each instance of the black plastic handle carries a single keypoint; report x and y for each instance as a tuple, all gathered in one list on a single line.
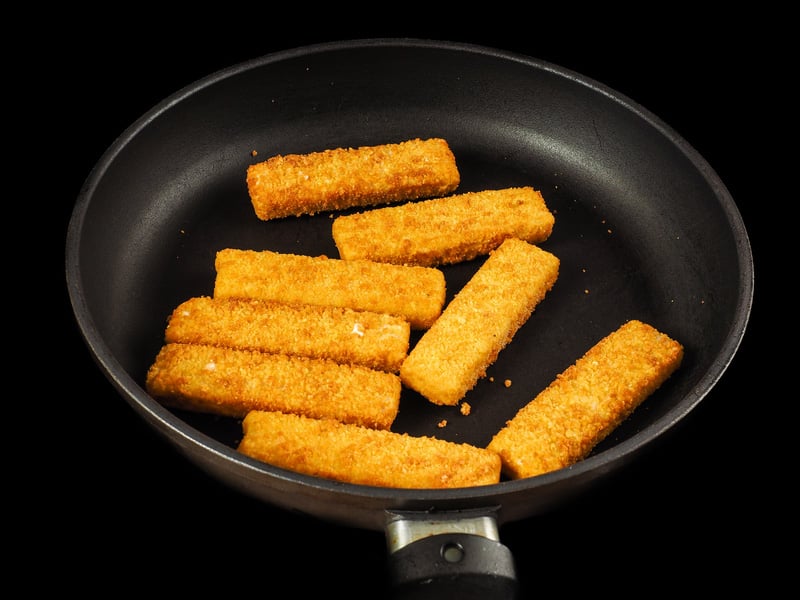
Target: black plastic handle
[(452, 555)]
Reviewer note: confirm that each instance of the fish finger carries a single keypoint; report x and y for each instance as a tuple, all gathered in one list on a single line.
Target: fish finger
[(414, 293), (374, 340), (339, 178), (353, 454), (474, 224), (565, 421), (479, 322), (231, 382)]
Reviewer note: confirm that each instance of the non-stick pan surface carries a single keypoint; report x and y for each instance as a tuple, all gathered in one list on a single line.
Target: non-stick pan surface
[(645, 229)]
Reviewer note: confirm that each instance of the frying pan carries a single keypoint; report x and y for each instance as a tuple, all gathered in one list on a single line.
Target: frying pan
[(644, 229)]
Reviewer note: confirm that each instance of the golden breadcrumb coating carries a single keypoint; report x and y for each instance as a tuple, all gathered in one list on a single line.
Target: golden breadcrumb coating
[(587, 401), (349, 453), (231, 382), (414, 293), (374, 340), (479, 322), (444, 230), (297, 184)]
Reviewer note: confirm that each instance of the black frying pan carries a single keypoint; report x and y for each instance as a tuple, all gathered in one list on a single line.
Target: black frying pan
[(643, 223)]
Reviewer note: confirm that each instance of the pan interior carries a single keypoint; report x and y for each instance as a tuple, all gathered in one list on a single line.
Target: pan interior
[(641, 230)]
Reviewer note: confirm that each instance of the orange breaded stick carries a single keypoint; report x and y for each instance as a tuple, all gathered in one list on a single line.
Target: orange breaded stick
[(475, 222), (231, 382), (374, 340), (297, 184), (414, 293), (330, 449), (587, 401), (480, 321)]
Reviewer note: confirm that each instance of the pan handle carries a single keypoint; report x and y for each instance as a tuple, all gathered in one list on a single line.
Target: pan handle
[(449, 554)]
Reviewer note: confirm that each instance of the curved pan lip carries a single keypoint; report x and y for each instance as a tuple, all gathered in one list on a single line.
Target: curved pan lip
[(184, 436)]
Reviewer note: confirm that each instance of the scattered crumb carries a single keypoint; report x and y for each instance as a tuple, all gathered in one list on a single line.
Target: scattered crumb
[(491, 378), (254, 153), (507, 383), (465, 408), (585, 291), (609, 231), (442, 424)]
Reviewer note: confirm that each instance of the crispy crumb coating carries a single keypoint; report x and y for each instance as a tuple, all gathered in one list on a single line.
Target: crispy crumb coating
[(335, 179), (479, 322), (374, 340), (414, 293), (444, 230), (231, 382), (333, 450), (562, 424)]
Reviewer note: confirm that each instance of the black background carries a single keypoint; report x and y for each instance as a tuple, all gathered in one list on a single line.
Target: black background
[(688, 513)]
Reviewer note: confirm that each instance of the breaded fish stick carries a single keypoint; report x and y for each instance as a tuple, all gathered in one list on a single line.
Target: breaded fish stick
[(231, 382), (374, 340), (474, 224), (480, 321), (414, 293), (297, 184), (587, 401), (330, 449)]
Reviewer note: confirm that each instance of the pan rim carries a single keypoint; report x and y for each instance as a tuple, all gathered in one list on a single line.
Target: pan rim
[(164, 420)]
